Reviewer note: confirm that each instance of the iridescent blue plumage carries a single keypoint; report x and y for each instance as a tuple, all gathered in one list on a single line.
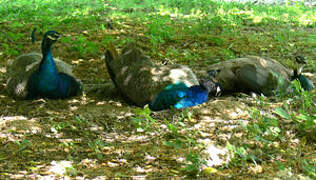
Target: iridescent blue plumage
[(179, 96), (306, 84), (47, 81)]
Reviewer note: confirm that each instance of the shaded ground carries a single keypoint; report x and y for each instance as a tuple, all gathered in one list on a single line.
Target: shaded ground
[(95, 136)]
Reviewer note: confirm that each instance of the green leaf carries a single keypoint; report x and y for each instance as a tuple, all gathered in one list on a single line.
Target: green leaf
[(281, 112), (304, 117)]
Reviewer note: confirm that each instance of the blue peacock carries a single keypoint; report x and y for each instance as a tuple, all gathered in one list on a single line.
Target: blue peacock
[(33, 75), (255, 74), (161, 86)]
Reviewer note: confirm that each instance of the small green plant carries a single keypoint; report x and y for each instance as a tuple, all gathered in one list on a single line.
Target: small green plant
[(9, 51), (143, 121), (23, 144), (159, 32), (174, 143), (79, 44), (59, 126), (305, 122), (305, 98), (66, 144), (96, 147), (308, 167), (195, 162), (71, 171), (240, 155), (83, 46), (304, 101), (81, 122)]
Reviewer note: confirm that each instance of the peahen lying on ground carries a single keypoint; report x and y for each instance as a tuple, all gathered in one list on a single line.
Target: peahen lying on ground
[(254, 74), (34, 75), (143, 82)]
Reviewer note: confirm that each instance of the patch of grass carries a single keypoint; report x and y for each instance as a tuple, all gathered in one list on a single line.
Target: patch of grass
[(270, 136)]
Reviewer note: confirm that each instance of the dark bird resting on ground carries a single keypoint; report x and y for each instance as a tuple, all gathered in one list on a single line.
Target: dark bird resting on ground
[(254, 74), (33, 75), (143, 82)]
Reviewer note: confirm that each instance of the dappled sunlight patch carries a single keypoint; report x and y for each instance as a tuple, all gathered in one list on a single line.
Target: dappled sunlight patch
[(60, 167), (13, 128), (3, 70), (215, 156), (88, 163), (105, 109), (224, 108), (142, 170), (257, 19)]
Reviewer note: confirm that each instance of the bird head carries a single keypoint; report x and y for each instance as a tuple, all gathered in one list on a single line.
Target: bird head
[(214, 88), (300, 59), (51, 37)]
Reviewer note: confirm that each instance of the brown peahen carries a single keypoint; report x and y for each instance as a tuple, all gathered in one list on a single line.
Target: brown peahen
[(252, 74), (161, 86)]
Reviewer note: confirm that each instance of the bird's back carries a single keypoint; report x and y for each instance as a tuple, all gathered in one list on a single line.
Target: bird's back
[(251, 73), (141, 83), (19, 72), (140, 80)]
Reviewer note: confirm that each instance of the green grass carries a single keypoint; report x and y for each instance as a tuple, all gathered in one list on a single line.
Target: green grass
[(279, 136)]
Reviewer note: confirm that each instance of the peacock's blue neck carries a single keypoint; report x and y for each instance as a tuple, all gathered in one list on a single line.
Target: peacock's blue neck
[(47, 65)]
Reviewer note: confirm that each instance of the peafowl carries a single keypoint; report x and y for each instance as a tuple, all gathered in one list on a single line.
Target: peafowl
[(33, 75), (253, 74), (161, 86)]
